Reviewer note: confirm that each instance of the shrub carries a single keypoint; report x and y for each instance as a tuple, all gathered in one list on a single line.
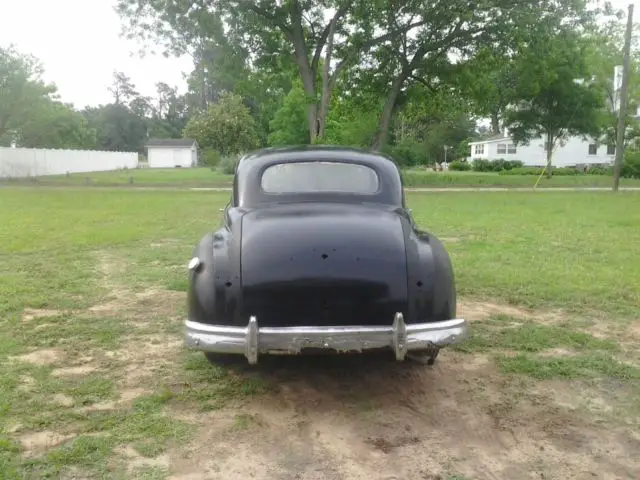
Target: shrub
[(600, 170), (228, 164), (522, 171), (211, 157), (481, 165), (408, 154), (511, 164), (460, 166), (631, 166)]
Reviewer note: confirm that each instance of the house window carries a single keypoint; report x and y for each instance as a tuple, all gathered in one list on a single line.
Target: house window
[(511, 148), (593, 149), (502, 148), (479, 149), (611, 149)]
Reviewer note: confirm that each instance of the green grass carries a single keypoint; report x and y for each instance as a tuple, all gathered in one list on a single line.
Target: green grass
[(421, 178), (69, 249), (205, 177)]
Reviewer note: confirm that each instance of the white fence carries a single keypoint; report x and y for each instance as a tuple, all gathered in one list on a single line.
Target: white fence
[(36, 162)]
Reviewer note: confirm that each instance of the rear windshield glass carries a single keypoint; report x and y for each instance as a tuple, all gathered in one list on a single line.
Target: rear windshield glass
[(318, 177)]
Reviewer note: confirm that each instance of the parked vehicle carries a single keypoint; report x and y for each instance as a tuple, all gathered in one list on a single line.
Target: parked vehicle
[(318, 252)]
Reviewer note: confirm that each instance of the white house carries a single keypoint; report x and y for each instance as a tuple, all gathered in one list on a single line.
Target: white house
[(172, 152), (575, 151)]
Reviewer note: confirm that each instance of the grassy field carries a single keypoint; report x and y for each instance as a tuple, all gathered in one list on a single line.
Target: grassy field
[(94, 382), (205, 177)]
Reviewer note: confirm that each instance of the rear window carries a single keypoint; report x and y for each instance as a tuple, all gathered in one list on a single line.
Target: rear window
[(319, 177)]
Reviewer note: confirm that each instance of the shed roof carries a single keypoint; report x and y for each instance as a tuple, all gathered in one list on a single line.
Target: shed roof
[(170, 142)]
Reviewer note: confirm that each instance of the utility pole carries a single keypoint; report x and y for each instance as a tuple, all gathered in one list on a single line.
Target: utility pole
[(622, 110)]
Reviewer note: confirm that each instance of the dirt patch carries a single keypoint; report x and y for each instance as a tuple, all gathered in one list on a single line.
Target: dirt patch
[(474, 311), (368, 417), (47, 356), (135, 460), (32, 313), (140, 305), (130, 394), (558, 352), (62, 400), (38, 442), (74, 371)]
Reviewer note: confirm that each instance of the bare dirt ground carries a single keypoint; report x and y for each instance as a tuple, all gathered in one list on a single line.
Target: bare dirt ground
[(361, 417)]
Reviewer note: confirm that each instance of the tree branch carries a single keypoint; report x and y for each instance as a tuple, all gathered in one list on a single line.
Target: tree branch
[(423, 82), (372, 43), (274, 19), (325, 34)]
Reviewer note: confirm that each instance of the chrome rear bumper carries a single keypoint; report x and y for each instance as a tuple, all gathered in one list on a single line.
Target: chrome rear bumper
[(253, 340)]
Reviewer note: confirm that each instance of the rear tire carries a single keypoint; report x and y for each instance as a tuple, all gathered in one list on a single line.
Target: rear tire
[(425, 357)]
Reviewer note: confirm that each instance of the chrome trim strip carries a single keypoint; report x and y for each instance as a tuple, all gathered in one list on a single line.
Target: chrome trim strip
[(253, 340)]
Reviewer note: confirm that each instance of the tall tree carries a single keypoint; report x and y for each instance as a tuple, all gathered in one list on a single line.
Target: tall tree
[(305, 29), (22, 91), (456, 27), (557, 98), (122, 89), (226, 126), (117, 128), (56, 125)]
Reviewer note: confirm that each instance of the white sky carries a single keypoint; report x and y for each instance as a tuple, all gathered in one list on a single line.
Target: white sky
[(79, 43)]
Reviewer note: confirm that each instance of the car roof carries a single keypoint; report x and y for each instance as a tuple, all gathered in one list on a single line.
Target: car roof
[(248, 193)]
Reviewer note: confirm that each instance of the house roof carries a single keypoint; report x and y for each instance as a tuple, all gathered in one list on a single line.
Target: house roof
[(170, 142), (495, 138)]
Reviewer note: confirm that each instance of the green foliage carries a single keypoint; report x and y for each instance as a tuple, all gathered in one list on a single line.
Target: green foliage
[(289, 124), (211, 157), (117, 128), (460, 165), (30, 114), (631, 167), (555, 100), (498, 165), (56, 125), (228, 164), (227, 126), (408, 154)]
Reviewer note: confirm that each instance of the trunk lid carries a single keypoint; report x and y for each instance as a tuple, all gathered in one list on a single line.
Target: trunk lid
[(323, 264)]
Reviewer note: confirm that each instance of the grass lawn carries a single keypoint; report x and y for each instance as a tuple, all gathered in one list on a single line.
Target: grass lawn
[(205, 177), (94, 382)]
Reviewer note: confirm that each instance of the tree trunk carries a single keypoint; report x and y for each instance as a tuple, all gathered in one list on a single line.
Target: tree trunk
[(385, 119), (327, 84), (549, 148), (307, 73), (495, 123)]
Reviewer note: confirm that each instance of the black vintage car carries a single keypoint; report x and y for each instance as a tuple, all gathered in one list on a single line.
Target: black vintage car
[(318, 252)]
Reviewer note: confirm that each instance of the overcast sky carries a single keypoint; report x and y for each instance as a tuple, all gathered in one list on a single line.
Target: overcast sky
[(79, 43)]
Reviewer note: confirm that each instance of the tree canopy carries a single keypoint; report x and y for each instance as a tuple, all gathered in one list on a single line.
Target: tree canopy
[(416, 79)]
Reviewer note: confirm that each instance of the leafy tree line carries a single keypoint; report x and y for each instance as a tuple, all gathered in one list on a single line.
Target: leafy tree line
[(33, 116), (409, 77)]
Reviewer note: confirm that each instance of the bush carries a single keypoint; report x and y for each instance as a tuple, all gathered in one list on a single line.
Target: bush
[(460, 166), (408, 154), (228, 164), (497, 165), (522, 171), (482, 165), (600, 171), (631, 166), (211, 157)]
